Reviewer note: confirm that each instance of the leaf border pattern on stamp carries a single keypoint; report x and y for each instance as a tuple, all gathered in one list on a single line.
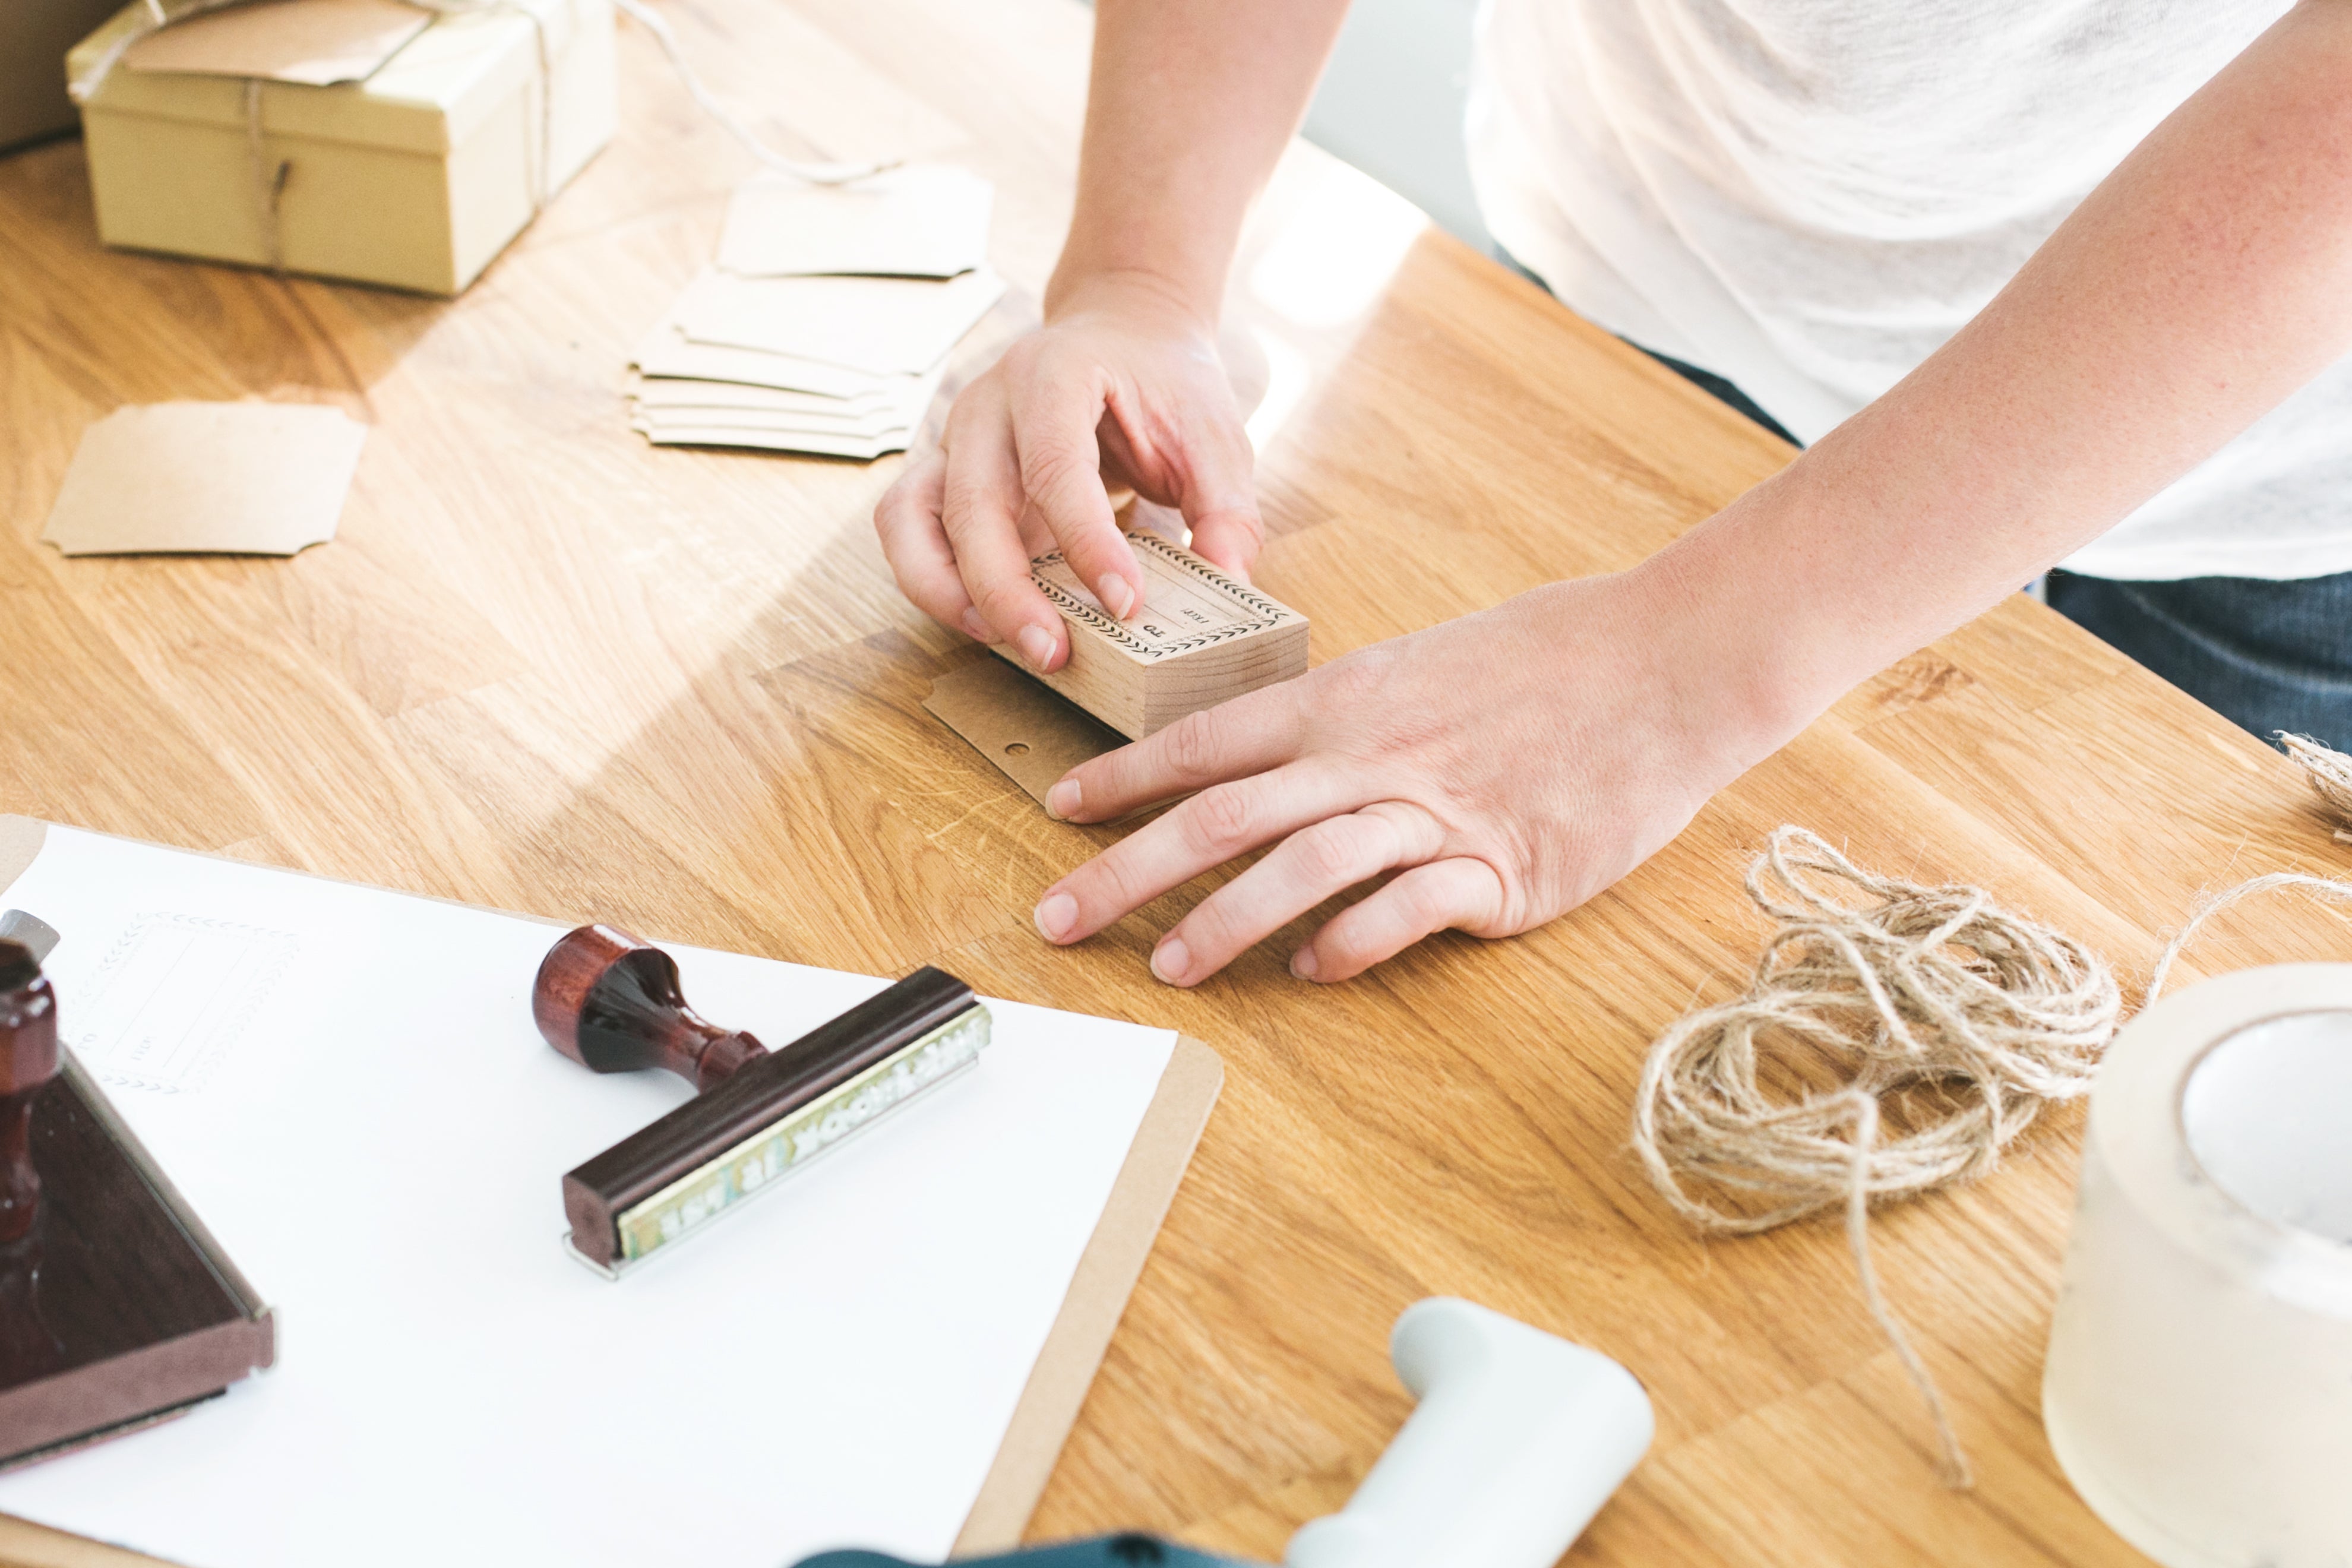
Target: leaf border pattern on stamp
[(1269, 613)]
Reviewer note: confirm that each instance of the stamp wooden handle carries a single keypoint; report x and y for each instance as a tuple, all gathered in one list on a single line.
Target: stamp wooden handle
[(28, 1060), (612, 1004)]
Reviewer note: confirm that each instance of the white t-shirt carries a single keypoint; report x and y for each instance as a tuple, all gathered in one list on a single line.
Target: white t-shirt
[(1808, 196)]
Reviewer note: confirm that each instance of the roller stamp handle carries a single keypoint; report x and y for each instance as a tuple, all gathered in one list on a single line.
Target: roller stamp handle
[(1518, 1439), (612, 1004), (28, 1060)]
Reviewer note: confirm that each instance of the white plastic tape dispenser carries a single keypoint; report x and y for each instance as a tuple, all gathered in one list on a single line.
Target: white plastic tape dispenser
[(1518, 1439), (2198, 1389)]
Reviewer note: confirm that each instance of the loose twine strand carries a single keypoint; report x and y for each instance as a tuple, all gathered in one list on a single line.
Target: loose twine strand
[(1972, 1016), (652, 21)]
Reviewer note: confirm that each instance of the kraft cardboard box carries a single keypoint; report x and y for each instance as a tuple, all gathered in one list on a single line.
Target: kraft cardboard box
[(416, 175)]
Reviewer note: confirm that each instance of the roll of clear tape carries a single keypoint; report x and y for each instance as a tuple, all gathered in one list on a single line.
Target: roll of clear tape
[(2199, 1386)]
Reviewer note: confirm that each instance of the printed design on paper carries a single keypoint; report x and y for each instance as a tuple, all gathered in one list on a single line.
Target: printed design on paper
[(173, 996)]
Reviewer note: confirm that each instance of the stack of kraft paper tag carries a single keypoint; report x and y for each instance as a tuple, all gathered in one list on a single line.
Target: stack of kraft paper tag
[(826, 323)]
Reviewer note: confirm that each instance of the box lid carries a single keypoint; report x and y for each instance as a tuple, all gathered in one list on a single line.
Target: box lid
[(427, 98)]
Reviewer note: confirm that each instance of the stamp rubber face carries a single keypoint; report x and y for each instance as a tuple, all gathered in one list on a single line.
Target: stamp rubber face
[(1188, 604)]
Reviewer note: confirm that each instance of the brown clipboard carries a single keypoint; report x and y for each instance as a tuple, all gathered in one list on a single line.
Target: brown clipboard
[(1074, 1349)]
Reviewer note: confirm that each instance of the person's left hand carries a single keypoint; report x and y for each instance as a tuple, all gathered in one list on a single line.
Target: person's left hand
[(1509, 766)]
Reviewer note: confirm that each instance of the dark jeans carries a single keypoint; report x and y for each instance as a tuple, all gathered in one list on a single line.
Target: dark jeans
[(1724, 392), (2270, 655), (2267, 656)]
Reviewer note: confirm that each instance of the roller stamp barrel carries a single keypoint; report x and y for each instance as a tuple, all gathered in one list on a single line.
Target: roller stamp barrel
[(1518, 1439)]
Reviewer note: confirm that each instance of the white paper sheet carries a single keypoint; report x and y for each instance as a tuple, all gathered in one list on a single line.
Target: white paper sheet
[(376, 1137)]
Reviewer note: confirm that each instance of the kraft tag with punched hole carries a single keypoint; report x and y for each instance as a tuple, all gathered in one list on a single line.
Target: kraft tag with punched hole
[(1030, 734)]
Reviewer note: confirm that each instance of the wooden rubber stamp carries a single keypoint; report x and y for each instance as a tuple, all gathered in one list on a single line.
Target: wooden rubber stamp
[(1200, 639), (612, 1004), (118, 1309)]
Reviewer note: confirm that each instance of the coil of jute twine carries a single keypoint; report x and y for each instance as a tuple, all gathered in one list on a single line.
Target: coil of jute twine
[(1893, 1038), (2330, 772)]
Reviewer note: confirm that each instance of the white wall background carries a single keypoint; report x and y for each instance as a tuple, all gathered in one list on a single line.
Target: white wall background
[(1391, 104), (1392, 101)]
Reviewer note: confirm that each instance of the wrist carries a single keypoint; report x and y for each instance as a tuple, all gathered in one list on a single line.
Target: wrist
[(1753, 645), (1162, 298)]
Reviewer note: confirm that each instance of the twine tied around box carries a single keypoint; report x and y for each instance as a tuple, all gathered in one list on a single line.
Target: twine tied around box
[(269, 178), (1880, 1001)]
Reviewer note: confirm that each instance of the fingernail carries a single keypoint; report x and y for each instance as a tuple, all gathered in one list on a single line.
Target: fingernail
[(978, 627), (1037, 646), (1061, 800), (1302, 963), (1116, 595), (1170, 960), (1056, 915)]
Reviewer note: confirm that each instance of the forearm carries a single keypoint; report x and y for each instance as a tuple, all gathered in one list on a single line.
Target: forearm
[(1190, 104), (2200, 284)]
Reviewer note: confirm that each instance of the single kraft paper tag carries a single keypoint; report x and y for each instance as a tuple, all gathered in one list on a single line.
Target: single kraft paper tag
[(667, 355), (1033, 736), (921, 220), (242, 478), (316, 42), (879, 325)]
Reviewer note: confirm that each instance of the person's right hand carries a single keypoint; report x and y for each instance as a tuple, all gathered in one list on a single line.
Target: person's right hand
[(1123, 387)]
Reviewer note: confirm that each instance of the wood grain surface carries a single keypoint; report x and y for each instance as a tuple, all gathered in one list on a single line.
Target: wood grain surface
[(548, 668)]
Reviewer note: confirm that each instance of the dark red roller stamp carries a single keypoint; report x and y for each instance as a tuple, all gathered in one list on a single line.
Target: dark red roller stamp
[(612, 1004)]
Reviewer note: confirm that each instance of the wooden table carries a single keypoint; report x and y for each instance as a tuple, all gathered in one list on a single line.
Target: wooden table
[(548, 668)]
